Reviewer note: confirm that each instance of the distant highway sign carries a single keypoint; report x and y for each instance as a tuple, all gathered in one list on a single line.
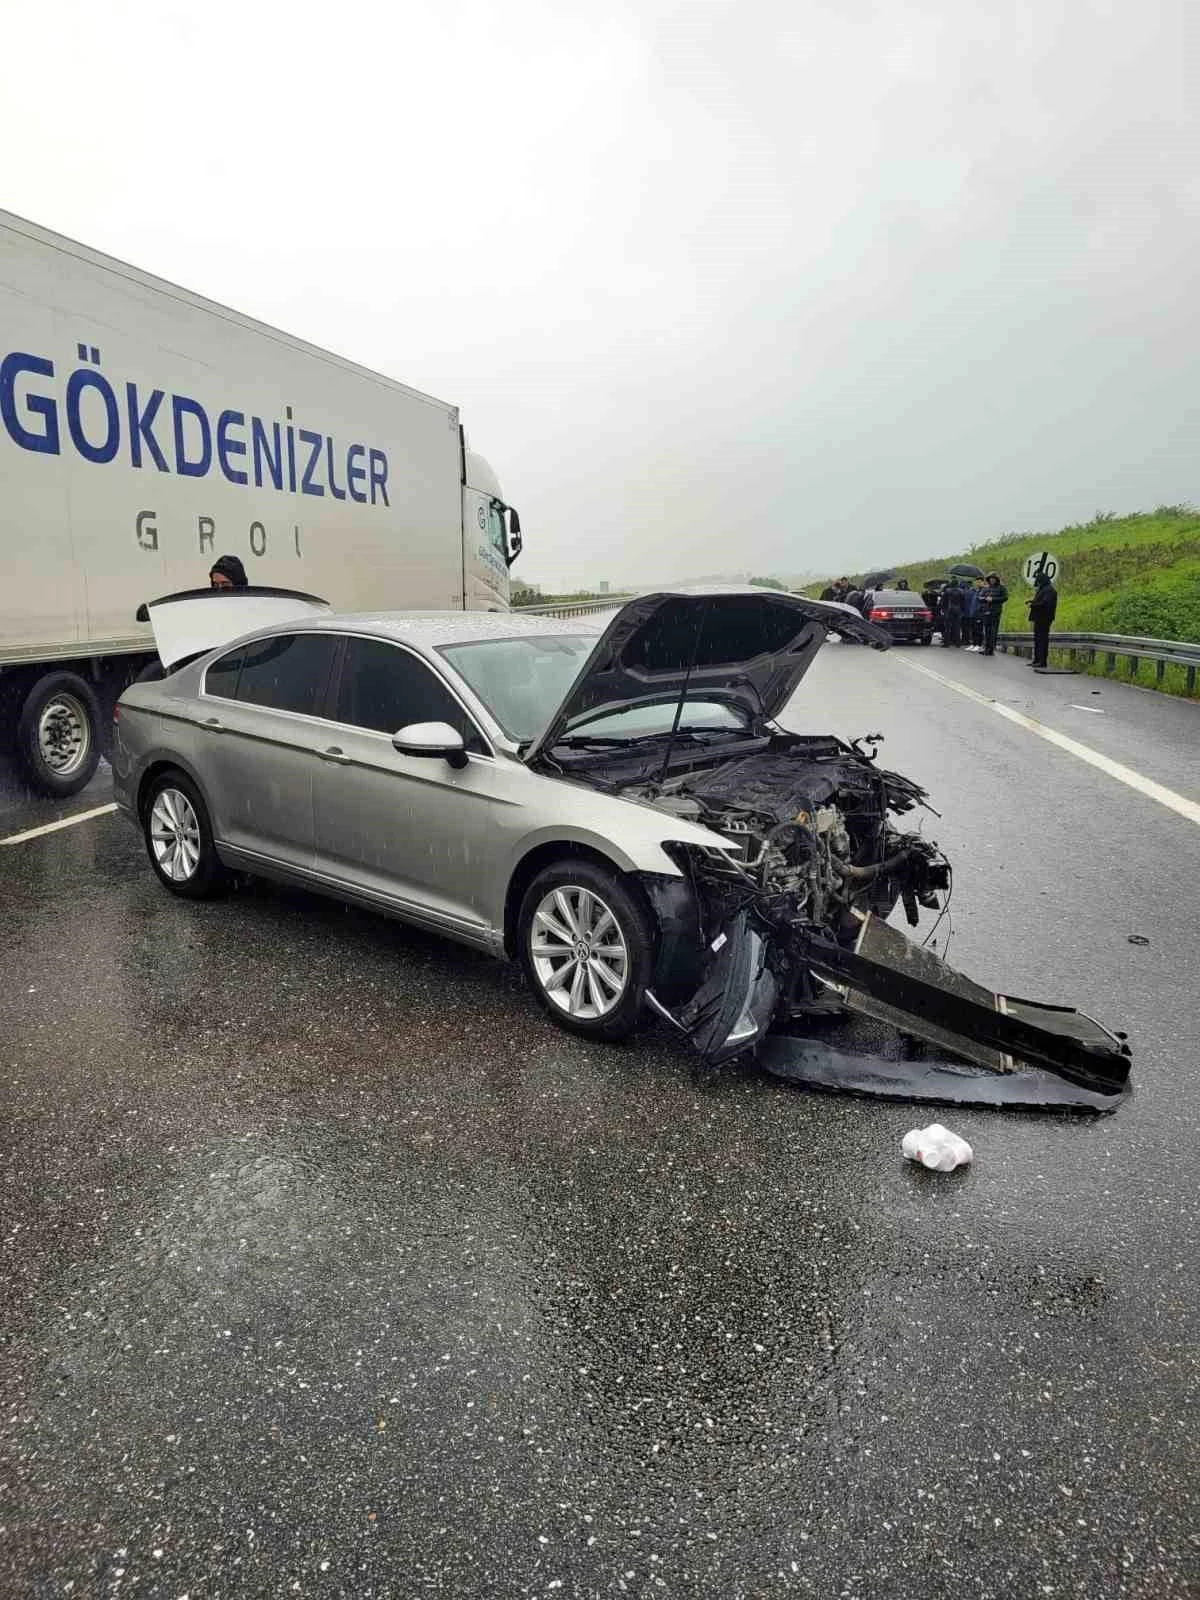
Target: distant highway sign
[(1043, 561)]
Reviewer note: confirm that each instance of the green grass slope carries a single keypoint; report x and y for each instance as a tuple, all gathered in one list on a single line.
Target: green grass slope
[(1138, 574)]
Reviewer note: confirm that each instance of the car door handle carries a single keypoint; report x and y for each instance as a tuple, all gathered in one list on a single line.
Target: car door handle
[(334, 752), (214, 723)]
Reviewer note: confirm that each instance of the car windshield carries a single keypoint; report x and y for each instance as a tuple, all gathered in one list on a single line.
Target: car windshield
[(521, 681), (711, 716)]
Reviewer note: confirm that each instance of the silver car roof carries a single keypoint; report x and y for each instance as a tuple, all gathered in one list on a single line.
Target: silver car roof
[(430, 630)]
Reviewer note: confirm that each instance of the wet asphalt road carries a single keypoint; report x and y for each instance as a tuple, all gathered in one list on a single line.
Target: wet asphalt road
[(330, 1269)]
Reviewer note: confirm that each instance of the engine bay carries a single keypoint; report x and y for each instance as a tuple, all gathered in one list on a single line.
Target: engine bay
[(810, 822), (810, 819)]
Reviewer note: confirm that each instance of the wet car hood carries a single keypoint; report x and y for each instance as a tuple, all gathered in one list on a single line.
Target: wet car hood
[(747, 646), (196, 620)]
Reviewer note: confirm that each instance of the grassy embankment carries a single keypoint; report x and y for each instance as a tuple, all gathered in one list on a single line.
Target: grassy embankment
[(1138, 574)]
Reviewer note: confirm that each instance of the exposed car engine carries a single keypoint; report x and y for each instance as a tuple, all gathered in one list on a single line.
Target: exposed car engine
[(810, 818)]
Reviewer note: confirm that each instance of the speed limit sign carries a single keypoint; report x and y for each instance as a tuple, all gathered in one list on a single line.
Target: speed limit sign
[(1043, 561)]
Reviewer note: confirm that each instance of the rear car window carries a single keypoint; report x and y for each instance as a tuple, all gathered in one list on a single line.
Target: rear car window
[(384, 688), (288, 672)]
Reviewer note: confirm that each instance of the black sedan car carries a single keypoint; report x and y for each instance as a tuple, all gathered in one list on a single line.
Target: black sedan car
[(901, 613)]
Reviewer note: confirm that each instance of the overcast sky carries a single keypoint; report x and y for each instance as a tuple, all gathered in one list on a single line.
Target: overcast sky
[(717, 286)]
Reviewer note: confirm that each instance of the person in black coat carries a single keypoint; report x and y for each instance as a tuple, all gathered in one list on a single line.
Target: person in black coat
[(227, 572), (952, 614), (1042, 610), (992, 599)]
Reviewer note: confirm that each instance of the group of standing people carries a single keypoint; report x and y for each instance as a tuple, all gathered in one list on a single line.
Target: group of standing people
[(968, 611)]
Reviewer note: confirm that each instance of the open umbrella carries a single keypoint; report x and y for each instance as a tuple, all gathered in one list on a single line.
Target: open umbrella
[(964, 569), (879, 580)]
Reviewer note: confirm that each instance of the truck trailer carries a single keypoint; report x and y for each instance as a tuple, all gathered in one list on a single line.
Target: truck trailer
[(146, 431)]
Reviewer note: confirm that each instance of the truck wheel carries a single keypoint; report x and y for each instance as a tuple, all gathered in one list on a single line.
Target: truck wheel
[(587, 943), (58, 734), (179, 839)]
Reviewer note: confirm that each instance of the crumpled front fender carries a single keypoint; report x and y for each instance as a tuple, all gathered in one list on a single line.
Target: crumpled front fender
[(734, 1006)]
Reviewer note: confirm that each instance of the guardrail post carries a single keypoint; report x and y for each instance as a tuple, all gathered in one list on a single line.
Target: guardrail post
[(1110, 661), (1191, 680), (1159, 668), (1133, 666)]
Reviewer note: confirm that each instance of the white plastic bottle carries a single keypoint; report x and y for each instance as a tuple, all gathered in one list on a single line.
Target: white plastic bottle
[(937, 1148)]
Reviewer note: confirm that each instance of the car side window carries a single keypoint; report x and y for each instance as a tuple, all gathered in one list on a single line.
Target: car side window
[(222, 676), (288, 672), (384, 687)]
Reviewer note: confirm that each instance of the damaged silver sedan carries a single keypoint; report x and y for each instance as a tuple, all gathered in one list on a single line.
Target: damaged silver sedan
[(620, 811)]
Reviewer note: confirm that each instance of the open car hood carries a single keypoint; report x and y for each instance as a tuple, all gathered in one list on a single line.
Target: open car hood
[(194, 621), (748, 646)]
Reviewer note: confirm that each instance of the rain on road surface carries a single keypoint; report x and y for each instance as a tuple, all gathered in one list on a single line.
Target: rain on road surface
[(330, 1268)]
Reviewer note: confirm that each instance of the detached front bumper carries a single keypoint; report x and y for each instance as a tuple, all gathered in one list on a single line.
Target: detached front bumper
[(946, 1037)]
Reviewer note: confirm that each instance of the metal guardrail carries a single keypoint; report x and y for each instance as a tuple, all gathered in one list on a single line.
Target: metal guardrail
[(575, 608), (1114, 646)]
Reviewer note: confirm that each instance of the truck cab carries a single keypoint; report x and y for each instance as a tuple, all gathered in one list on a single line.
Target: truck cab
[(491, 536)]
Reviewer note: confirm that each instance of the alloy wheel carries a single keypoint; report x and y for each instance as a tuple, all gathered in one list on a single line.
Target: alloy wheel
[(579, 953), (175, 835)]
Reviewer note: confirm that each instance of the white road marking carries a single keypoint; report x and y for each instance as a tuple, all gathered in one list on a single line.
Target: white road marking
[(1147, 786), (1095, 710), (53, 827)]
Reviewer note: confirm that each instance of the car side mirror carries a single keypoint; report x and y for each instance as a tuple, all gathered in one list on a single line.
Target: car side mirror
[(514, 538), (431, 739)]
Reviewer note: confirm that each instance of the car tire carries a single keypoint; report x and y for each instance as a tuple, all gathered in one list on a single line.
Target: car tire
[(577, 904), (58, 734), (179, 840)]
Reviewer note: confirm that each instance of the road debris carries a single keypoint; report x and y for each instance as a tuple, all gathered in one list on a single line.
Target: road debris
[(937, 1148)]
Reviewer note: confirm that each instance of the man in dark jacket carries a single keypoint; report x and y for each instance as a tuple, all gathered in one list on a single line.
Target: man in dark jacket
[(1042, 611), (992, 600), (227, 572), (952, 614)]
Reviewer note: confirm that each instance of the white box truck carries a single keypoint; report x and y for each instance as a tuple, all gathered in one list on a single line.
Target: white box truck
[(144, 432)]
